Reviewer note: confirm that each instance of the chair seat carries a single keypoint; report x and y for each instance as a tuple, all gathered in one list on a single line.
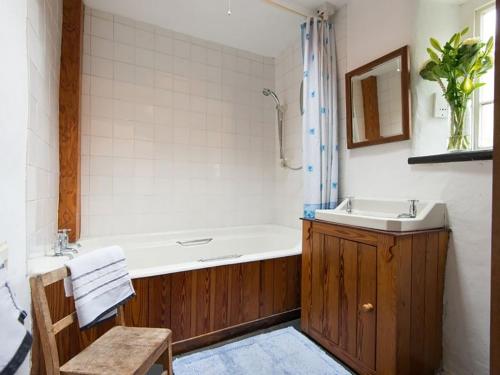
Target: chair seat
[(121, 350)]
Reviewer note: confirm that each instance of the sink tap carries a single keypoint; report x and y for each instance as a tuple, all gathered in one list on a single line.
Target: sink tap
[(61, 246), (348, 207), (412, 213)]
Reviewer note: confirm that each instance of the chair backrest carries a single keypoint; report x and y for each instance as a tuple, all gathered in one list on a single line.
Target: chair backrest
[(46, 328)]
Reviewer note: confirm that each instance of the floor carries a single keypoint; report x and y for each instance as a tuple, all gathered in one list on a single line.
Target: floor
[(157, 369)]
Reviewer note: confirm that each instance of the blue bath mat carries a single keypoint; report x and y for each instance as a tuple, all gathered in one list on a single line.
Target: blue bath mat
[(281, 352)]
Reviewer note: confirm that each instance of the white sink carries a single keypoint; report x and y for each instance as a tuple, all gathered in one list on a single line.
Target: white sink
[(383, 215)]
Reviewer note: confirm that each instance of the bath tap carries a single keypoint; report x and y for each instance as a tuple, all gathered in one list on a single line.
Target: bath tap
[(61, 247), (348, 207), (412, 214)]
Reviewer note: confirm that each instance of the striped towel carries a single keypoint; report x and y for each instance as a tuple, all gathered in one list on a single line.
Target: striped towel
[(99, 282)]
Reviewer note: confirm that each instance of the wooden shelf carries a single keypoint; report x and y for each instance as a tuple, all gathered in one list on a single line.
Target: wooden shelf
[(452, 157)]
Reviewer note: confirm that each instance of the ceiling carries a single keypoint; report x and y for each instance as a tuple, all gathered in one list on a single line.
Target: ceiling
[(254, 25)]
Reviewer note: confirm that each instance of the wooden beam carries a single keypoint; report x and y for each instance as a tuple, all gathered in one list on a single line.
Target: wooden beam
[(369, 88), (69, 117)]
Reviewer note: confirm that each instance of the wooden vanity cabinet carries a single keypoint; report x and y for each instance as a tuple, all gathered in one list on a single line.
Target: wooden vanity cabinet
[(374, 299)]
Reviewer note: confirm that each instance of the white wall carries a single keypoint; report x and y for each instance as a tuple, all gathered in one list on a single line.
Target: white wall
[(44, 28), (13, 142), (13, 139), (176, 131), (382, 171)]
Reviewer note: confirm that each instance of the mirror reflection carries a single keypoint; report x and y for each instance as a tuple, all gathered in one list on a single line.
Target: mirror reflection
[(376, 102)]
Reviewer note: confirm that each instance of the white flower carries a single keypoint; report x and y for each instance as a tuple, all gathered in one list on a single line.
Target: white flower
[(471, 41)]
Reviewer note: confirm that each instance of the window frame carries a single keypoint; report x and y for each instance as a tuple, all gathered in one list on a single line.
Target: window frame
[(476, 103)]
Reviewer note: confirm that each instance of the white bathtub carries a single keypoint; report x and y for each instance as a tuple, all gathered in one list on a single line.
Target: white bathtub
[(161, 253)]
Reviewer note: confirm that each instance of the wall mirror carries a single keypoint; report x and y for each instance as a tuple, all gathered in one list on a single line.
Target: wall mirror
[(378, 101)]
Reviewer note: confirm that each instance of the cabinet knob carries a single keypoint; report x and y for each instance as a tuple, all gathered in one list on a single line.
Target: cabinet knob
[(367, 307)]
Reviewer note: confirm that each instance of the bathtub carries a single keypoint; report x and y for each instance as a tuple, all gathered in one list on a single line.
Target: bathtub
[(165, 253), (205, 285)]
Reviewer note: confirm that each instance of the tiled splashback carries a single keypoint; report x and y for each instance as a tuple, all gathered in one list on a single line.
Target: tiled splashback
[(176, 133)]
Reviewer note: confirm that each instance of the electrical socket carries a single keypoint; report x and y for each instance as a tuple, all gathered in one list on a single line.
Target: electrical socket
[(441, 107)]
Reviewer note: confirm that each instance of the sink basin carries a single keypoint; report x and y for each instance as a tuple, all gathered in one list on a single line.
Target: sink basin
[(383, 215)]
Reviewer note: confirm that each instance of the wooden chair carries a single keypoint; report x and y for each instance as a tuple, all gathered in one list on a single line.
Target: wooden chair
[(121, 350)]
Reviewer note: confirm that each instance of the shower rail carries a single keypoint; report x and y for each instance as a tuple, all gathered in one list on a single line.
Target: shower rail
[(280, 116)]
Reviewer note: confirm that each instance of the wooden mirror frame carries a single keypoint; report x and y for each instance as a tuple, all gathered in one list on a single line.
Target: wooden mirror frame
[(404, 54)]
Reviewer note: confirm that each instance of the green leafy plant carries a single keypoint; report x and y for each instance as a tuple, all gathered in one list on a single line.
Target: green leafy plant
[(457, 67)]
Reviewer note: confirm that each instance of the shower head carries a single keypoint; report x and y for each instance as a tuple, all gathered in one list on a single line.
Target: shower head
[(268, 92)]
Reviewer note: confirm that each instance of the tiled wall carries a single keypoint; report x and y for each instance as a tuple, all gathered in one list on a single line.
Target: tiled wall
[(44, 50), (288, 189), (389, 93), (289, 72), (176, 131), (389, 106)]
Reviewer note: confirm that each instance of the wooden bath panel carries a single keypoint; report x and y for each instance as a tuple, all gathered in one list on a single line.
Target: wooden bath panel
[(201, 307)]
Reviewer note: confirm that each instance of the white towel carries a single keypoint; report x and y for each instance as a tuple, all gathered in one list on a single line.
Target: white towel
[(99, 282), (15, 339)]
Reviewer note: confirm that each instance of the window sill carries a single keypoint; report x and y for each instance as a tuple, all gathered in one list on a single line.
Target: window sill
[(452, 157)]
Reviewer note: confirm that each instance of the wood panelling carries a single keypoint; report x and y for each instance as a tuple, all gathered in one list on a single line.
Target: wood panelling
[(374, 299), (369, 89), (181, 306), (200, 302), (306, 276), (317, 291), (69, 117), (331, 308), (159, 290), (367, 296), (418, 305), (348, 295), (201, 307), (266, 288), (137, 309), (221, 300)]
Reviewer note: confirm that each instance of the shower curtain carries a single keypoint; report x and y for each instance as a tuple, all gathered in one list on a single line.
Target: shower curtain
[(320, 118)]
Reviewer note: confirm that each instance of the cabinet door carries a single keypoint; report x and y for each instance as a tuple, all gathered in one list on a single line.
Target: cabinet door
[(343, 296), (325, 298), (358, 292), (367, 297)]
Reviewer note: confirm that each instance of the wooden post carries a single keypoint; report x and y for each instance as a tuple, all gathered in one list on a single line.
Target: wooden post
[(69, 117), (495, 229), (369, 89)]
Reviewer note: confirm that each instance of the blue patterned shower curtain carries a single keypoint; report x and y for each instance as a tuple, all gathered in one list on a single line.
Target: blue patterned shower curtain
[(320, 118)]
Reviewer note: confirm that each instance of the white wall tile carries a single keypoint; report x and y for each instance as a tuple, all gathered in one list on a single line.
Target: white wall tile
[(124, 33), (156, 139), (102, 28), (100, 47)]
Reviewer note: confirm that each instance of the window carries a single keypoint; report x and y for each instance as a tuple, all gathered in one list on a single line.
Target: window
[(484, 98)]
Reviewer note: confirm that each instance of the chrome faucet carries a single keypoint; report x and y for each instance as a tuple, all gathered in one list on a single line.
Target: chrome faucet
[(61, 246), (348, 207), (412, 213)]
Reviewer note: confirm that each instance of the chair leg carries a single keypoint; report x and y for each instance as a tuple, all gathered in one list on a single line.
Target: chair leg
[(167, 359)]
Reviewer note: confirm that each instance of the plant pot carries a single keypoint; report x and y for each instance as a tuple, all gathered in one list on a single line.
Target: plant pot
[(460, 118)]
